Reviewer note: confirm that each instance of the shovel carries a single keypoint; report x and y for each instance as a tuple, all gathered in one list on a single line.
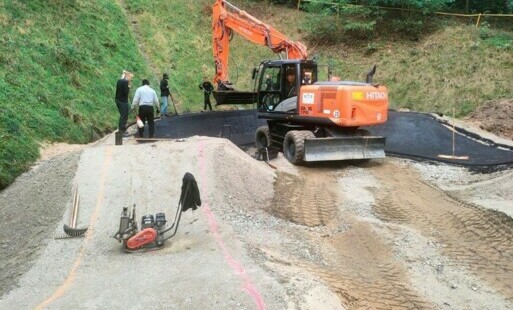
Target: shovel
[(173, 101)]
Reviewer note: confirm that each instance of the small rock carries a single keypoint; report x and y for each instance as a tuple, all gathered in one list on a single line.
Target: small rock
[(453, 286), (440, 268)]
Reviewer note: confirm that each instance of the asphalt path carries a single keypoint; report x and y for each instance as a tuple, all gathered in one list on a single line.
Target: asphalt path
[(419, 136), (425, 137)]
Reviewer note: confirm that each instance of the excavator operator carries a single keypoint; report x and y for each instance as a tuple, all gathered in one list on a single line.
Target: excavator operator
[(290, 83)]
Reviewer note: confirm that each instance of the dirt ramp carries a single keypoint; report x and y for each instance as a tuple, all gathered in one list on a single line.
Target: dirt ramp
[(238, 179), (31, 209)]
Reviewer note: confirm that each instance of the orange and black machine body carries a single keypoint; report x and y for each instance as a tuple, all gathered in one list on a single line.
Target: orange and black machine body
[(325, 116)]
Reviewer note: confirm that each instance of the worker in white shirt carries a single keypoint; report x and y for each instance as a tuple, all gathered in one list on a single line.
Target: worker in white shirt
[(146, 98)]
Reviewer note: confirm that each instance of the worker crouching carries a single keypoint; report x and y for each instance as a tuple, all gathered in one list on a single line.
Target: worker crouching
[(146, 98)]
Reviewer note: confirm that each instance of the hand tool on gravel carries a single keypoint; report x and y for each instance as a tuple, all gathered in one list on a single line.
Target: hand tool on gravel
[(71, 230)]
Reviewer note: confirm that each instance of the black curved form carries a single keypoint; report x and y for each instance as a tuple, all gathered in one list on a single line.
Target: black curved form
[(408, 134), (422, 136), (238, 126)]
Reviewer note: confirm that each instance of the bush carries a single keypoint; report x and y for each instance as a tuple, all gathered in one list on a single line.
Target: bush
[(410, 28)]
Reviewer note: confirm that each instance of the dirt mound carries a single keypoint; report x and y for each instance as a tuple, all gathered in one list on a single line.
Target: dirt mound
[(239, 179), (495, 116)]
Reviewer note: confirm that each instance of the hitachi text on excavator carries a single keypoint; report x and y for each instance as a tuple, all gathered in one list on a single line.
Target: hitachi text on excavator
[(307, 119)]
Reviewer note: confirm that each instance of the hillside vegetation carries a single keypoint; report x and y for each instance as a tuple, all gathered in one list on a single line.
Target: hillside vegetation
[(61, 58), (455, 65)]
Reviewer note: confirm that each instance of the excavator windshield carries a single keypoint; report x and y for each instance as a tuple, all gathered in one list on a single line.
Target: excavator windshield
[(280, 80)]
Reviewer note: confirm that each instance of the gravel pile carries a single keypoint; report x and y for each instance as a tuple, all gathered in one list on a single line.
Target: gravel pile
[(31, 208)]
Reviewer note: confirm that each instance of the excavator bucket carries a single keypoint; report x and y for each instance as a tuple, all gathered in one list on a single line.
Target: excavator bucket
[(344, 148), (234, 97)]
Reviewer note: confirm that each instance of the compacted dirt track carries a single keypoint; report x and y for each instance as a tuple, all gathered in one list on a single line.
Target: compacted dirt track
[(474, 238), (362, 238), (306, 199)]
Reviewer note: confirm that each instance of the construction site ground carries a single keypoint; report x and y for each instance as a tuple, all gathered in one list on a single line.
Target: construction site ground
[(380, 234)]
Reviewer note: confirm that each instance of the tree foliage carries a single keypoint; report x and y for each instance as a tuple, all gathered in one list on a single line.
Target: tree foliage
[(469, 6), (479, 6), (343, 20), (361, 19)]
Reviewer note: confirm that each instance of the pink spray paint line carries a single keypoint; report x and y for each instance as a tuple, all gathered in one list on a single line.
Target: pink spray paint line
[(214, 230)]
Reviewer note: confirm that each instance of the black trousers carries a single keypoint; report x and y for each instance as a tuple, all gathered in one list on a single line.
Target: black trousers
[(206, 100), (123, 114), (146, 115)]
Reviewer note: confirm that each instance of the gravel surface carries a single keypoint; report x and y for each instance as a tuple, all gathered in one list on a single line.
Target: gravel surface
[(32, 209), (208, 264), (328, 236)]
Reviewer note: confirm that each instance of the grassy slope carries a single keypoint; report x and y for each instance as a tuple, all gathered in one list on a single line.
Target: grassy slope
[(451, 67), (60, 61)]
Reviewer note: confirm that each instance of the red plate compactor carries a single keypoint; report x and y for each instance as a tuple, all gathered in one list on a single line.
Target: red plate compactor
[(154, 230)]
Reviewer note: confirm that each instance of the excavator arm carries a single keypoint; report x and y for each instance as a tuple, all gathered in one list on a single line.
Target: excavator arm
[(227, 18)]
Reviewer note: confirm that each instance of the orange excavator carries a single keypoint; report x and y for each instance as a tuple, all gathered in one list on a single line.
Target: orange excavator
[(308, 120)]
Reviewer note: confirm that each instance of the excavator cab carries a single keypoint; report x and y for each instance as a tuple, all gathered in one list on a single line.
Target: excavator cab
[(279, 83)]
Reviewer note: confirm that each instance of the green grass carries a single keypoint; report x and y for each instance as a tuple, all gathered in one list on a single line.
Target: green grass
[(60, 61)]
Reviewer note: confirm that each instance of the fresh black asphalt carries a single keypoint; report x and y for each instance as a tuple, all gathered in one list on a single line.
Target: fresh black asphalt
[(413, 135)]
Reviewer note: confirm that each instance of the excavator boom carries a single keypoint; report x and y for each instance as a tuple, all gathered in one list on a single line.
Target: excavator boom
[(227, 18)]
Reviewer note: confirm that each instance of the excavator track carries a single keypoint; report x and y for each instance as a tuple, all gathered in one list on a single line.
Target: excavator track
[(365, 274), (305, 200), (474, 238)]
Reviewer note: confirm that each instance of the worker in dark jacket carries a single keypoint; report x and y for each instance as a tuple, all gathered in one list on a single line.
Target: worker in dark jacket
[(121, 98), (207, 88), (164, 95)]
